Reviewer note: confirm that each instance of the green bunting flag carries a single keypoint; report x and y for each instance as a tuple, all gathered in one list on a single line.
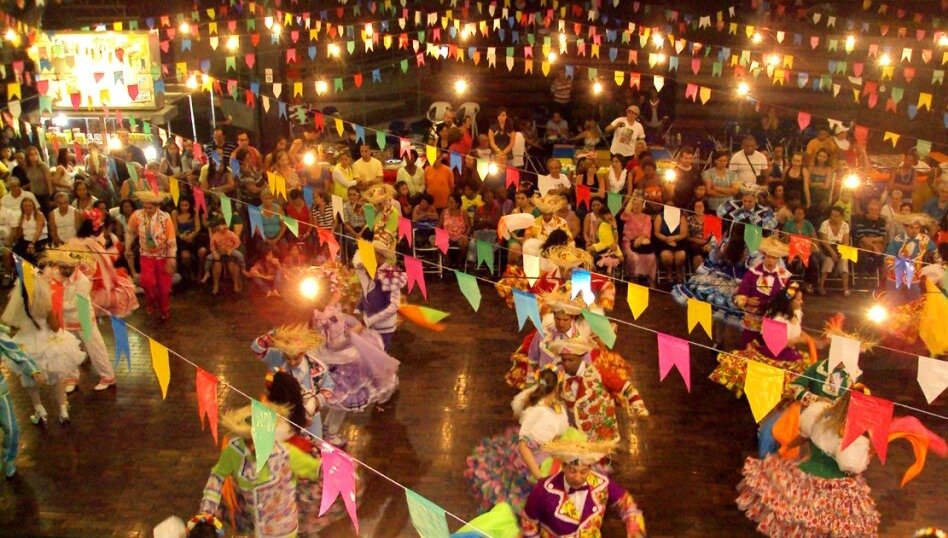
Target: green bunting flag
[(369, 210), (753, 235), (426, 516), (601, 326), (380, 139), (263, 430), (470, 289), (614, 202), (84, 310), (226, 209), (485, 253), (292, 225)]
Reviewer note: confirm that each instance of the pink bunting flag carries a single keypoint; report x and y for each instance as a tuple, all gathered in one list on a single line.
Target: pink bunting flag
[(441, 239), (327, 238), (803, 120), (338, 480), (77, 151), (775, 335), (513, 177), (691, 91), (404, 147), (415, 274), (861, 133), (250, 59), (200, 204), (132, 91), (674, 351), (205, 384), (404, 230), (872, 414)]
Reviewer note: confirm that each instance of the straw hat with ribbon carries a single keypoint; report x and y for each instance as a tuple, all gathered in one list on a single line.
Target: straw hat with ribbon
[(69, 254), (238, 421), (378, 193), (920, 219), (295, 340), (568, 257), (577, 345), (148, 196), (771, 246), (549, 203), (560, 302), (575, 450)]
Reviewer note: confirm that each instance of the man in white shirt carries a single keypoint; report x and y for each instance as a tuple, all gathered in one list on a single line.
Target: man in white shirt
[(748, 164), (627, 131), (12, 199), (556, 182), (557, 128), (367, 170)]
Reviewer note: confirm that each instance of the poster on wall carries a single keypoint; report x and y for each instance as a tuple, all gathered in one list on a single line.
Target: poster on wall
[(113, 69)]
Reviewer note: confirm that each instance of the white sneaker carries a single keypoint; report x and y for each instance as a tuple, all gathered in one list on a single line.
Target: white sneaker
[(104, 383), (64, 415)]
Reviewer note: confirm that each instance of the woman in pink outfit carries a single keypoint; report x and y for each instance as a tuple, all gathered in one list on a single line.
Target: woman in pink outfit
[(637, 240)]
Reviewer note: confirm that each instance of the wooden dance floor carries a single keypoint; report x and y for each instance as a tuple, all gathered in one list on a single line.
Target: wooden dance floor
[(131, 459)]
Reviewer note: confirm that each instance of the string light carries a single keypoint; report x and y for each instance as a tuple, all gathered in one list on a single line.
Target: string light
[(309, 288), (368, 29), (597, 88), (757, 39), (321, 87), (885, 60), (460, 86), (333, 50), (877, 314), (465, 34), (232, 43), (492, 169), (151, 154), (184, 28), (660, 58), (658, 39), (743, 89), (277, 29), (943, 40), (851, 182), (850, 43), (114, 143), (191, 83), (551, 57), (309, 158), (60, 120), (11, 36), (774, 59), (670, 175)]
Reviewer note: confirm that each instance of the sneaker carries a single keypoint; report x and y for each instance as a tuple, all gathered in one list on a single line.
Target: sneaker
[(9, 469), (104, 383), (71, 386), (64, 415), (39, 419), (336, 440)]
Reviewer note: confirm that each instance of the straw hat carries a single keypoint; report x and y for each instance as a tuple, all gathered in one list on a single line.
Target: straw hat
[(549, 203), (573, 450), (577, 345), (771, 246), (567, 257), (560, 302), (238, 421), (914, 218), (294, 340), (71, 254), (378, 192), (148, 196), (752, 188)]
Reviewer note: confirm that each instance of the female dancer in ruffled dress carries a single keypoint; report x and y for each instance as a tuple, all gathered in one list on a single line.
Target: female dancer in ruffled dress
[(363, 373), (716, 280), (505, 467), (112, 289)]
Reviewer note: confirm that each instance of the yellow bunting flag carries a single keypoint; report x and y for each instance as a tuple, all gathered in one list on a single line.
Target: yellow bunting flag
[(159, 362), (637, 297), (847, 252), (924, 100), (29, 279), (763, 386), (272, 182), (431, 153), (281, 186), (619, 77), (173, 189), (367, 255), (704, 94), (544, 66), (340, 128), (891, 136), (14, 91), (699, 313), (297, 89)]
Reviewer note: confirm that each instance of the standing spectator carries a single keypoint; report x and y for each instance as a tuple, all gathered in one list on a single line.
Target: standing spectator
[(225, 252), (39, 176), (687, 176), (720, 181), (172, 163), (482, 149), (819, 190), (655, 114), (296, 208), (698, 246), (158, 250), (749, 164), (798, 225), (271, 218), (353, 218), (778, 164), (133, 152), (557, 128), (216, 176), (562, 90), (243, 143), (500, 135), (440, 130), (439, 182), (343, 177), (220, 142), (834, 231), (891, 208), (63, 175), (252, 180), (770, 125), (284, 167), (617, 179), (412, 174), (796, 178), (282, 144), (627, 132), (97, 171), (63, 220), (455, 221), (869, 234), (590, 135), (822, 141), (367, 170)]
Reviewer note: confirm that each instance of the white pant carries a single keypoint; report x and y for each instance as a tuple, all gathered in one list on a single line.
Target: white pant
[(98, 354)]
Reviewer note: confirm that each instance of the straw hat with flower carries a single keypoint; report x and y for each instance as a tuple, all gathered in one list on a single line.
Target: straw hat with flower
[(238, 421), (560, 302), (568, 257), (148, 196), (549, 203), (920, 219), (295, 340), (575, 450), (577, 345), (378, 193), (771, 246)]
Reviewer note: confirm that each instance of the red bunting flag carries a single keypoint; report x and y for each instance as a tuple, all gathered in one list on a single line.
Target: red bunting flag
[(582, 195), (327, 238), (405, 230), (205, 384), (674, 352), (512, 178), (357, 78), (800, 246), (250, 59), (712, 226), (803, 120), (132, 91), (872, 414)]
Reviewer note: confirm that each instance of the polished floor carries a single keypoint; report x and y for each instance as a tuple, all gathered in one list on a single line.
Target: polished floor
[(131, 459)]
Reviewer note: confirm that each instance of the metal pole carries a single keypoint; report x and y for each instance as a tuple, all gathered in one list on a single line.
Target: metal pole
[(194, 130), (213, 114)]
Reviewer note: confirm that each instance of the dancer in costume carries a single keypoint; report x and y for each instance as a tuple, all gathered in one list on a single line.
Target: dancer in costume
[(592, 409), (562, 321), (746, 210), (907, 253), (56, 352), (68, 287), (9, 427), (290, 349), (266, 499), (573, 502), (716, 280), (387, 211), (381, 296), (305, 456), (536, 235), (505, 467), (112, 289), (158, 248), (363, 374), (925, 316), (761, 283), (786, 307)]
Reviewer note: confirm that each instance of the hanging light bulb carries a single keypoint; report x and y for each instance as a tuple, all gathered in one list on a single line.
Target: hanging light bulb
[(851, 182), (184, 27), (743, 89), (232, 43), (60, 120), (11, 35), (773, 59), (943, 40), (309, 158), (309, 288), (877, 313), (850, 43), (277, 29), (551, 57), (465, 34), (597, 88), (492, 168), (321, 87), (460, 86), (670, 175), (191, 83), (757, 39), (885, 60), (114, 143), (151, 154), (333, 50), (658, 39)]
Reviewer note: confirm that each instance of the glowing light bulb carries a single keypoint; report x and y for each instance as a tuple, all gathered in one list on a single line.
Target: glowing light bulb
[(774, 59), (114, 143), (757, 39), (232, 43), (277, 29), (597, 88), (465, 34), (368, 29), (333, 50), (492, 168), (60, 120), (743, 89), (877, 313), (268, 22), (309, 158), (309, 288), (943, 40), (321, 87), (851, 182), (11, 35), (460, 86), (658, 39), (204, 78), (885, 59), (670, 175), (551, 57), (184, 27), (660, 58), (191, 83), (850, 43), (151, 154)]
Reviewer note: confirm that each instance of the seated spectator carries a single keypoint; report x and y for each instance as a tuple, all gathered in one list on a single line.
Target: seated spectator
[(296, 208), (12, 199), (637, 240), (482, 150), (719, 180), (252, 153), (587, 174), (672, 246), (845, 202), (937, 206), (216, 175), (555, 182), (343, 177), (470, 200), (890, 208), (439, 182), (284, 167), (366, 170), (225, 252), (82, 196), (353, 218), (698, 246), (647, 181), (282, 144), (590, 136), (271, 216), (484, 223), (604, 244), (776, 200), (557, 128), (191, 245), (424, 217), (591, 220), (412, 174), (616, 181), (746, 210), (456, 222), (63, 220), (834, 231), (869, 234), (267, 273), (403, 197), (654, 116), (29, 236), (252, 178), (798, 225)]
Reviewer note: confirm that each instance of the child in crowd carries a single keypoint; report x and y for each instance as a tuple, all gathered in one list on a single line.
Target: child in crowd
[(470, 200), (403, 195), (267, 273), (225, 245)]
